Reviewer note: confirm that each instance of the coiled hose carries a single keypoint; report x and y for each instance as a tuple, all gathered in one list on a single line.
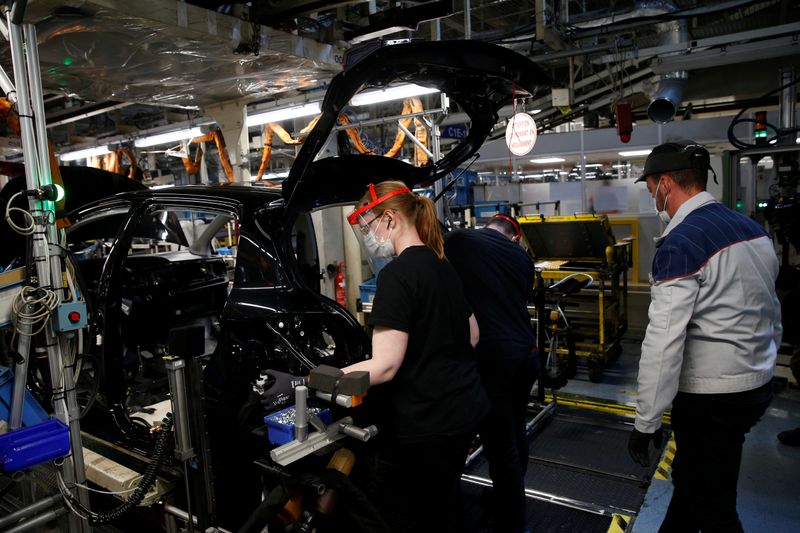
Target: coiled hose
[(149, 477)]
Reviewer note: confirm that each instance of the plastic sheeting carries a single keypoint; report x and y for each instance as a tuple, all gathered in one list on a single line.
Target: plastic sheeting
[(166, 52)]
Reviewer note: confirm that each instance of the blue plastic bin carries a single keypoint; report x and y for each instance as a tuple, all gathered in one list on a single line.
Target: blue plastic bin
[(280, 433), (33, 445), (367, 290), (32, 412)]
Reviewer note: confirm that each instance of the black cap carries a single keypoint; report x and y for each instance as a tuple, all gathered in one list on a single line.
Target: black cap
[(676, 155)]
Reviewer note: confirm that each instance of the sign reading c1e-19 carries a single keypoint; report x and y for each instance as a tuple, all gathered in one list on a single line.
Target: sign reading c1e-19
[(454, 131)]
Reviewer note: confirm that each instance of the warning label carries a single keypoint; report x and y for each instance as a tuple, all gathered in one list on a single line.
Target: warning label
[(521, 134)]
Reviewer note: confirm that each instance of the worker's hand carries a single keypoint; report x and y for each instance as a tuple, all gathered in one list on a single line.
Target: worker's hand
[(639, 445), (280, 392)]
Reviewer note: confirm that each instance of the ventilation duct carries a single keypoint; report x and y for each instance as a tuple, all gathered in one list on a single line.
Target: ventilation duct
[(669, 95)]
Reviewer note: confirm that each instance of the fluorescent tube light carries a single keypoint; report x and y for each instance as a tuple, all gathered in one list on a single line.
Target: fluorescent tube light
[(634, 153), (171, 136), (548, 160), (167, 186), (397, 92), (83, 154), (283, 113)]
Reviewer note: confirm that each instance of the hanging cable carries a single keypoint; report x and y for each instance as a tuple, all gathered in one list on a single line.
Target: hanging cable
[(778, 132), (28, 230)]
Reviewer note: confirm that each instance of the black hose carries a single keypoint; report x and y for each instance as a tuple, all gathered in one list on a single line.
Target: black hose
[(149, 477)]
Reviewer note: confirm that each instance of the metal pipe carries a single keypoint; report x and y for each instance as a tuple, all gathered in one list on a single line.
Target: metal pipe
[(36, 521), (467, 20), (787, 102), (301, 413), (529, 427), (35, 85), (34, 508), (385, 120), (668, 97), (183, 515), (175, 373), (589, 507), (20, 374), (8, 86), (414, 139)]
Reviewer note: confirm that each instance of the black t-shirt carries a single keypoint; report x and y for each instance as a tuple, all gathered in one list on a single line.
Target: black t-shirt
[(437, 390), (498, 278)]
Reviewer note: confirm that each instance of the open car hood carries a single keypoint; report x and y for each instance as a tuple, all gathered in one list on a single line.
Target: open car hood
[(480, 77)]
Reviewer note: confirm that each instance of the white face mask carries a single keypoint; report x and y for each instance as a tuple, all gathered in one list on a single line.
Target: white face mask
[(662, 213), (379, 251), (379, 248)]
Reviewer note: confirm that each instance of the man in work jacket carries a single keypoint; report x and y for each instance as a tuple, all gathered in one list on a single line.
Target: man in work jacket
[(711, 341)]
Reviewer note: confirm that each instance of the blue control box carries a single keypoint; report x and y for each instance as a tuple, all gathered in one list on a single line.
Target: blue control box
[(70, 316)]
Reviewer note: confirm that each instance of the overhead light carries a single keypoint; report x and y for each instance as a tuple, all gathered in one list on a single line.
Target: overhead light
[(594, 165), (548, 160), (398, 92), (167, 186), (83, 154), (171, 136), (283, 113), (634, 153)]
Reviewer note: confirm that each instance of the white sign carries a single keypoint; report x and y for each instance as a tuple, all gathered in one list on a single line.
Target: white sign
[(521, 134)]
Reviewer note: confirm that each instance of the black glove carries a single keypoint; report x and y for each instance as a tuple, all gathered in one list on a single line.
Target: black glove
[(280, 392), (638, 445)]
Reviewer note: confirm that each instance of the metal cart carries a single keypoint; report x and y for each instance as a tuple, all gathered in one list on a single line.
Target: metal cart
[(564, 245)]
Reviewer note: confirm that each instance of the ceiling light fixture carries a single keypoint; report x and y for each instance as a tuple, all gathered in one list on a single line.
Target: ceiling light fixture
[(283, 113), (398, 92), (86, 153), (168, 137), (634, 153), (544, 160)]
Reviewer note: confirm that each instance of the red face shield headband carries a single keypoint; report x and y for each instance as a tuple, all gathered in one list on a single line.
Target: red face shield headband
[(352, 218), (511, 221)]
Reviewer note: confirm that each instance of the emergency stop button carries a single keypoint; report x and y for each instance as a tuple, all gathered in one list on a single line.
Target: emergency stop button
[(70, 316)]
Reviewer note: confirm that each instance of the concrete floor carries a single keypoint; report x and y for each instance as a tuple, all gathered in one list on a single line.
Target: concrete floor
[(769, 488)]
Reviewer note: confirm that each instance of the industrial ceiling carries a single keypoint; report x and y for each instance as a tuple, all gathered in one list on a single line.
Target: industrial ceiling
[(111, 67)]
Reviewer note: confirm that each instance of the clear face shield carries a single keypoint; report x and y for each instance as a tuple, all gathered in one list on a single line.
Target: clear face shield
[(373, 231)]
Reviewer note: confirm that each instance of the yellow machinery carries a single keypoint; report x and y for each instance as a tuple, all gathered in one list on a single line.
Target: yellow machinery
[(598, 314)]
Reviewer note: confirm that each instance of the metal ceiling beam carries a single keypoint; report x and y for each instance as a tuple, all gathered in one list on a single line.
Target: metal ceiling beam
[(734, 53), (693, 46), (74, 115)]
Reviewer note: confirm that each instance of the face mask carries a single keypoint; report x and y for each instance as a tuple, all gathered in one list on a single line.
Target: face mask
[(379, 251), (662, 213)]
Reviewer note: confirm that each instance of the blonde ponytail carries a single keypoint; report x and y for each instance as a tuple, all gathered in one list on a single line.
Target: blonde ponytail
[(428, 226)]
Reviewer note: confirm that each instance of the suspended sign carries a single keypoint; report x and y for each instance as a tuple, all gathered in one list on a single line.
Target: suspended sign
[(521, 134), (454, 131)]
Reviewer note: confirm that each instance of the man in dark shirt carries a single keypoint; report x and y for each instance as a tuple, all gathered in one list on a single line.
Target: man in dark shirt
[(498, 279)]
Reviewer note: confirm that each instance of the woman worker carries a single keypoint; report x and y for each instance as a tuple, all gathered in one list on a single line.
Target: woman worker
[(427, 392)]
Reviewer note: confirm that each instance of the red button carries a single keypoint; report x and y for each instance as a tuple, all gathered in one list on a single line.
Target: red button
[(74, 316)]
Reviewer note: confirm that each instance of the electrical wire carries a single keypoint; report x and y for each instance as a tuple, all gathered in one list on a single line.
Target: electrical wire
[(137, 495), (41, 302), (778, 132), (25, 213)]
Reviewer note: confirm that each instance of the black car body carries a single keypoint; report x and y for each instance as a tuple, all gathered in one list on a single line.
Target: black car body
[(269, 312)]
